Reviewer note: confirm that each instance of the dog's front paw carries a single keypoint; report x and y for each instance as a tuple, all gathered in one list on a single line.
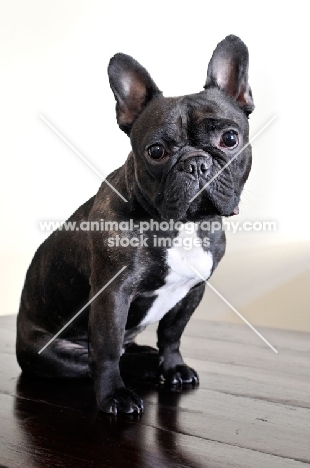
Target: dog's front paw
[(181, 375), (121, 400)]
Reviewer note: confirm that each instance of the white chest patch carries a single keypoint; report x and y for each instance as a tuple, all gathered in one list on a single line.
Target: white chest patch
[(181, 277)]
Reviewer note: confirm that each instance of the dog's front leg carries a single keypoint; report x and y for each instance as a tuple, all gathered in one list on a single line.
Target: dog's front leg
[(169, 332), (107, 321)]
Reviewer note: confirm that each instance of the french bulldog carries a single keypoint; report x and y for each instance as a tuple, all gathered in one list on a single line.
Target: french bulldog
[(186, 168)]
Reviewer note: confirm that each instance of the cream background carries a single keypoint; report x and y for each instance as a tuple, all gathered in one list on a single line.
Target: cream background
[(54, 56)]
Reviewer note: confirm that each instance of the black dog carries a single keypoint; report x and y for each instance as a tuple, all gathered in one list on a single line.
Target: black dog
[(179, 145)]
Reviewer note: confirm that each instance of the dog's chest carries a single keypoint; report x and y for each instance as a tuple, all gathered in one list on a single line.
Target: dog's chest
[(181, 262)]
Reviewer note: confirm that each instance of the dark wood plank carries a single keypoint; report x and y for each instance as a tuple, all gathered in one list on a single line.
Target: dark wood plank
[(41, 435), (221, 331), (241, 421), (252, 354), (213, 360), (250, 413)]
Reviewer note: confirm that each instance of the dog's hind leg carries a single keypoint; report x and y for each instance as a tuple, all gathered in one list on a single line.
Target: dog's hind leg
[(61, 359)]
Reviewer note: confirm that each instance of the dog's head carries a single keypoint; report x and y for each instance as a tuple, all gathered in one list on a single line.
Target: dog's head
[(190, 154)]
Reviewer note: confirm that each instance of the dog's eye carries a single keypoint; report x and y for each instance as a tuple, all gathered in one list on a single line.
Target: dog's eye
[(156, 151), (229, 139)]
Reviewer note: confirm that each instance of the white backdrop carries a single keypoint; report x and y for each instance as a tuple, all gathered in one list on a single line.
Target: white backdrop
[(54, 55)]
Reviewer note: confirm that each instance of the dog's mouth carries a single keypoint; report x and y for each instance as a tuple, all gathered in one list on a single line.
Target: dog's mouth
[(201, 207), (211, 210)]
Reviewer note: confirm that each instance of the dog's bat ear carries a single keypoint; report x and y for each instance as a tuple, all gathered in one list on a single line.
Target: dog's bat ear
[(133, 89), (228, 70)]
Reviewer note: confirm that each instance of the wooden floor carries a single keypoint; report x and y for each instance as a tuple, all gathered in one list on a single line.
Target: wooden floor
[(252, 409)]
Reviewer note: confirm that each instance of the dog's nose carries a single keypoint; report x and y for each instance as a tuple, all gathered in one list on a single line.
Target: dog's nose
[(196, 166)]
